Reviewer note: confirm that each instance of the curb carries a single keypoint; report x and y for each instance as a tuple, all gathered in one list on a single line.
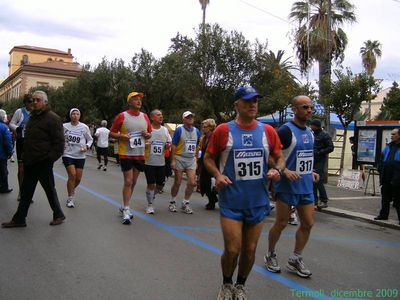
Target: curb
[(359, 216)]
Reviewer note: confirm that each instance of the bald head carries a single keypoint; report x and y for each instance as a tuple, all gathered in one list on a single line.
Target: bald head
[(300, 99)]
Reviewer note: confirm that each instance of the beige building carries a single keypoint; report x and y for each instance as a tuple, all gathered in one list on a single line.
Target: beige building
[(375, 103), (35, 66)]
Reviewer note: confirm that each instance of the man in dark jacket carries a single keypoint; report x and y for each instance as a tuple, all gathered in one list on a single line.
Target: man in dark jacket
[(43, 145), (322, 147), (389, 170)]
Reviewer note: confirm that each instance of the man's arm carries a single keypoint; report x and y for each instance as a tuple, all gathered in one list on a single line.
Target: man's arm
[(15, 120), (220, 179)]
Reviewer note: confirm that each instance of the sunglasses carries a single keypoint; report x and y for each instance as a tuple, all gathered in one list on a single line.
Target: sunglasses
[(306, 107)]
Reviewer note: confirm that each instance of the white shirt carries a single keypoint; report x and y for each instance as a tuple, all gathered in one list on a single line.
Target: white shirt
[(77, 137), (102, 137)]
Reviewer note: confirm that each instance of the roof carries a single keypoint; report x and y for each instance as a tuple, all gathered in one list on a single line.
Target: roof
[(50, 67), (41, 49)]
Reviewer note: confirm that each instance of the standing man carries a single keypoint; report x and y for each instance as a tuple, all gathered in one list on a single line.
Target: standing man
[(183, 159), (155, 159), (389, 170), (17, 125), (6, 151), (43, 145), (295, 187), (244, 148), (131, 128), (322, 147), (102, 134)]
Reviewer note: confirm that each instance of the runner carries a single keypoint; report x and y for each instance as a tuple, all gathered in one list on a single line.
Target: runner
[(295, 188), (77, 141), (102, 134), (244, 148), (131, 128), (183, 159), (155, 160)]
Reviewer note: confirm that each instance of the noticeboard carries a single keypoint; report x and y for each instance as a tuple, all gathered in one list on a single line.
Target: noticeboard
[(349, 179), (370, 138)]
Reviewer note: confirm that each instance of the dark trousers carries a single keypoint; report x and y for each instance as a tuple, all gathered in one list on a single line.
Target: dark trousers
[(319, 186), (3, 175), (389, 193), (40, 172), (102, 152)]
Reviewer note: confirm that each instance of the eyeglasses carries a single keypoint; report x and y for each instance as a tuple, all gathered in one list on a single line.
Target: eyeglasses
[(36, 99), (306, 107)]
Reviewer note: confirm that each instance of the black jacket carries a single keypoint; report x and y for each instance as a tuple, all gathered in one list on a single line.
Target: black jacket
[(322, 144), (44, 137)]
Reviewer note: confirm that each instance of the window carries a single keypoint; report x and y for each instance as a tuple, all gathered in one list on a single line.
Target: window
[(24, 60)]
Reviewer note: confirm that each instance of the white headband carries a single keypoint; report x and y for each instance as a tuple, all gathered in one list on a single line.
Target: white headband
[(72, 110)]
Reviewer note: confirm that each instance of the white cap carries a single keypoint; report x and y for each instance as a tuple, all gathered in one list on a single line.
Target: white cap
[(187, 113)]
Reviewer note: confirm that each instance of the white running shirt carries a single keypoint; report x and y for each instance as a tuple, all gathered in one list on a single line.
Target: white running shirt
[(102, 137), (77, 137)]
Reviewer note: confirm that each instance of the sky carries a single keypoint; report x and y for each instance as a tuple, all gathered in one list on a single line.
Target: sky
[(121, 28)]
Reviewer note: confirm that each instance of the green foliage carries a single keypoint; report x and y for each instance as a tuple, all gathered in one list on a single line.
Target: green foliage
[(348, 92), (390, 109)]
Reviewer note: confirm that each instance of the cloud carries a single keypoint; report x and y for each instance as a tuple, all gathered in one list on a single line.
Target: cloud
[(15, 21)]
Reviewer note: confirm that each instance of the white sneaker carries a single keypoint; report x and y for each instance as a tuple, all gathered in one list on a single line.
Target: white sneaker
[(186, 209), (121, 210), (172, 207), (126, 217), (70, 203), (150, 209), (105, 168), (293, 219)]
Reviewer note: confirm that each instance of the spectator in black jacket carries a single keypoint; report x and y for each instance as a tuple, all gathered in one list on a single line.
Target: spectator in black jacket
[(322, 147), (389, 170), (43, 145)]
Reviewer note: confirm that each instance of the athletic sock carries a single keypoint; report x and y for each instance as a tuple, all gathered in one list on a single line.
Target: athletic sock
[(227, 279), (241, 280), (149, 196)]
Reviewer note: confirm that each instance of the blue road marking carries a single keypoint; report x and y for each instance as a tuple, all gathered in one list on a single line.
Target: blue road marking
[(173, 230)]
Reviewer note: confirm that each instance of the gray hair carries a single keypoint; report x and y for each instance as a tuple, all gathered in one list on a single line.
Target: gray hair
[(103, 123), (3, 115), (210, 122), (154, 111), (43, 94)]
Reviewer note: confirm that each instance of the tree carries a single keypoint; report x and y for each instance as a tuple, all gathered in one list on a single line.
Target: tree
[(273, 78), (204, 4), (320, 38), (390, 109), (346, 96), (369, 52)]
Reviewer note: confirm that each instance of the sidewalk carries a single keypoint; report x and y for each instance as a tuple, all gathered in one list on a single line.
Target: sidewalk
[(355, 204)]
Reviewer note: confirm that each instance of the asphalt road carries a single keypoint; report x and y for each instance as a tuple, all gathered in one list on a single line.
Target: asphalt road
[(174, 255)]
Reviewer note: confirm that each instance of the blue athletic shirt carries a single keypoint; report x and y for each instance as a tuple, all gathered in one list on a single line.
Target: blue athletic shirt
[(299, 155), (245, 162)]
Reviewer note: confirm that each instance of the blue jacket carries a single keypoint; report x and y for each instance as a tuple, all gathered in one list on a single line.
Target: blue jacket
[(389, 169), (6, 148)]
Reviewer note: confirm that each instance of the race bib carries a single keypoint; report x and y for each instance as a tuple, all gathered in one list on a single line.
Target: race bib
[(190, 146), (248, 164), (136, 140), (157, 148), (305, 161), (74, 137)]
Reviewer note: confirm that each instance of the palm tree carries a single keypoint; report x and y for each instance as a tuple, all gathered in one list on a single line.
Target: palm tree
[(320, 38), (369, 52), (204, 4)]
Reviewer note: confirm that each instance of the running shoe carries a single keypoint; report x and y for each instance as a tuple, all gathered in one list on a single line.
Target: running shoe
[(322, 205), (271, 206), (226, 292), (271, 263), (99, 167), (70, 203), (172, 207), (296, 265), (150, 209), (121, 210), (293, 219), (186, 209), (126, 217), (105, 168), (239, 292)]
